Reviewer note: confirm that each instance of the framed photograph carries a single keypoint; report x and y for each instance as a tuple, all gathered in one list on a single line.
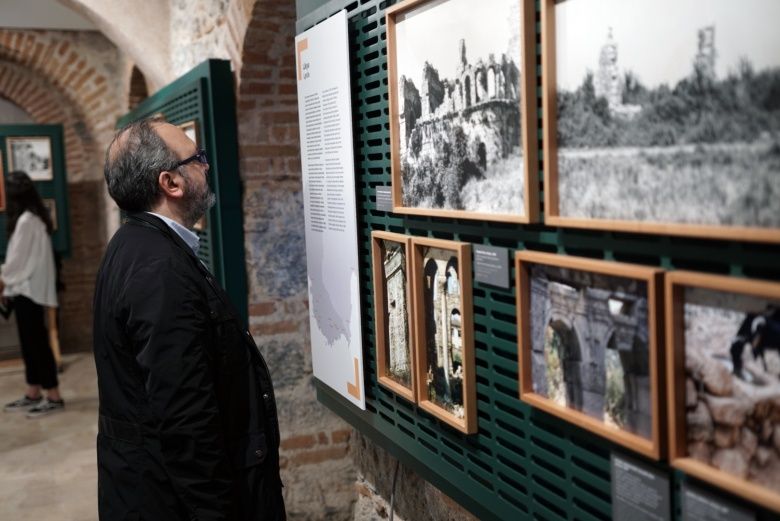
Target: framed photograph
[(588, 333), (463, 109), (51, 206), (723, 372), (444, 331), (672, 135), (190, 128), (32, 155), (393, 312)]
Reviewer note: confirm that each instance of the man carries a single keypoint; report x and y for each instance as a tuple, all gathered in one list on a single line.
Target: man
[(188, 427)]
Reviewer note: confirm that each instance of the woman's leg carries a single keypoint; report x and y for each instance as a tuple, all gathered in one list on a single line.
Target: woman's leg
[(40, 367)]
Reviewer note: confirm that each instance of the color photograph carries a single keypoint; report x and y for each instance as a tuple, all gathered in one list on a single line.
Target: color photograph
[(444, 331), (588, 344), (393, 312), (723, 369)]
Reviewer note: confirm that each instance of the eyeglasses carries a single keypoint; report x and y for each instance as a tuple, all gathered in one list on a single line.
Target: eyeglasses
[(200, 157)]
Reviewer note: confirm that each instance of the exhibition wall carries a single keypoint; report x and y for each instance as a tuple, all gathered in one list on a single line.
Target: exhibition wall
[(519, 441)]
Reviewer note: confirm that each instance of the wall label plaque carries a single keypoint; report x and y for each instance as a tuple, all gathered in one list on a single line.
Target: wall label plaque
[(701, 505), (491, 265), (639, 491), (384, 198)]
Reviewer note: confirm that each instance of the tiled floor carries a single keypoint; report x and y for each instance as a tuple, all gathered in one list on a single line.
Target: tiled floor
[(47, 465)]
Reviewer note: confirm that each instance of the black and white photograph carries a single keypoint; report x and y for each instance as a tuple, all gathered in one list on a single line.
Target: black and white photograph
[(31, 155), (458, 140), (668, 112), (732, 383), (589, 345)]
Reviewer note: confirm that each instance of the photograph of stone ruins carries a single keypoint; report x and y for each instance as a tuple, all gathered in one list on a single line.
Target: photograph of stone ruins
[(396, 313), (732, 384), (589, 341), (444, 336), (459, 136), (693, 138)]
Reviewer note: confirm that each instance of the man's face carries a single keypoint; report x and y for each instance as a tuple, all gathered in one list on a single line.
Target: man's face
[(198, 197)]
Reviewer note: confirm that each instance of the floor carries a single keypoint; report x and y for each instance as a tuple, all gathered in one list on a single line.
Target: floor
[(47, 465)]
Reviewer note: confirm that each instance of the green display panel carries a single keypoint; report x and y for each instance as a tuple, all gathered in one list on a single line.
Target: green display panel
[(53, 183), (205, 96), (523, 463)]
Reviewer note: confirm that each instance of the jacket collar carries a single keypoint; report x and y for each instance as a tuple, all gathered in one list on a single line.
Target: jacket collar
[(149, 220)]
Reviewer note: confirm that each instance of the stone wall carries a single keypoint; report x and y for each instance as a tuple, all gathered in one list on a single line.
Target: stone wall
[(316, 469), (414, 500)]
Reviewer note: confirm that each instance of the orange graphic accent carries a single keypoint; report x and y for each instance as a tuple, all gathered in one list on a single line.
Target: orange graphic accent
[(354, 389), (300, 47)]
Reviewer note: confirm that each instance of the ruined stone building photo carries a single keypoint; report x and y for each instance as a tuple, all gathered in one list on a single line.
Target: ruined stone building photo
[(442, 315), (397, 309), (590, 352)]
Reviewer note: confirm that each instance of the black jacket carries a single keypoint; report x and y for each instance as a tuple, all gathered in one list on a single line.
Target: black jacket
[(188, 427)]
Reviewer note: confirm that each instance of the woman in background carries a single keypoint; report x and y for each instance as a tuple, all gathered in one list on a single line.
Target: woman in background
[(28, 279)]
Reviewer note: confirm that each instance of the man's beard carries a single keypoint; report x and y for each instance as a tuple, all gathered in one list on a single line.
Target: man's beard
[(198, 201)]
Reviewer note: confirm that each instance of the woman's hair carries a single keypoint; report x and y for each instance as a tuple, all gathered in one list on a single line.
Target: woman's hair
[(21, 196)]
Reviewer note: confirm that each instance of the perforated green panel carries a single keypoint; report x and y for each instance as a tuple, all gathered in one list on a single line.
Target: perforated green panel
[(206, 95), (523, 463)]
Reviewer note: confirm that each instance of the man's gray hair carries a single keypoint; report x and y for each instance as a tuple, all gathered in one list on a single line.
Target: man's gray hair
[(134, 160)]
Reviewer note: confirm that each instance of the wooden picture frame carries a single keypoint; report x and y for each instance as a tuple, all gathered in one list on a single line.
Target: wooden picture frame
[(383, 321), (717, 300), (35, 161), (592, 387), (51, 206), (447, 270), (679, 181), (460, 188)]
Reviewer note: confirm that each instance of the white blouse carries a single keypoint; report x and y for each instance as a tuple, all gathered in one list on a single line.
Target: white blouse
[(29, 262)]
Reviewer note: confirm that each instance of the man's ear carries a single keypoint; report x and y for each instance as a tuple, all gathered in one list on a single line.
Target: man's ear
[(171, 183)]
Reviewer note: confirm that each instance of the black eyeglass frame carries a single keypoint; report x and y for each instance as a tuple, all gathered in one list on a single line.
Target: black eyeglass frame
[(200, 157)]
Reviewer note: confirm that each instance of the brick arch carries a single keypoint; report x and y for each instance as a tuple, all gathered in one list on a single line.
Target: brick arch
[(56, 58), (47, 104)]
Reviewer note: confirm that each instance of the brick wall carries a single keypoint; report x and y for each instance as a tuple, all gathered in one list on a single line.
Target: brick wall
[(317, 469), (73, 79)]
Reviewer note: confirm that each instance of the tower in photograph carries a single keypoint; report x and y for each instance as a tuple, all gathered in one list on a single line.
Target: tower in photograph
[(704, 63)]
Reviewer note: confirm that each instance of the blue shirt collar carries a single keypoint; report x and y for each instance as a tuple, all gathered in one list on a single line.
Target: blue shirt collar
[(188, 236)]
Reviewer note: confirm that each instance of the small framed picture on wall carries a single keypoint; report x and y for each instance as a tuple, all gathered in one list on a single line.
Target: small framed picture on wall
[(393, 312), (444, 331), (31, 155)]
